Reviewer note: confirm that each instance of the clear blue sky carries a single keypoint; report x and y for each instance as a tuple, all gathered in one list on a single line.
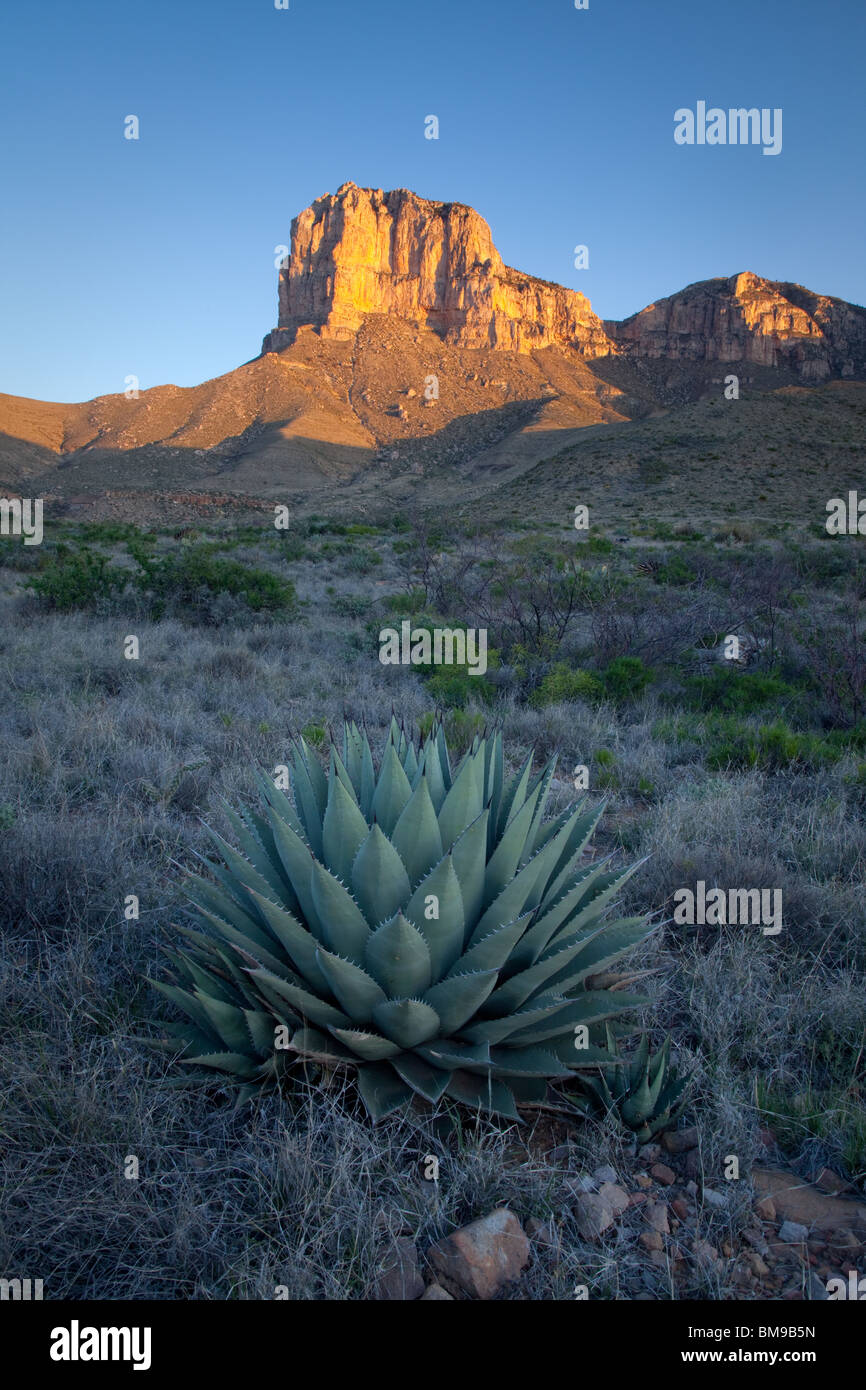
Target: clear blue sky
[(156, 257)]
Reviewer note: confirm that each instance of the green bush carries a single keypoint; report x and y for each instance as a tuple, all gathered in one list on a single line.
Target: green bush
[(737, 692), (455, 687), (188, 575), (77, 579), (562, 684), (626, 677)]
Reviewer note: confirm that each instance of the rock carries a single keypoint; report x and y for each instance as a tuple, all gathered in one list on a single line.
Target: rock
[(663, 1174), (796, 1200), (756, 1264), (606, 1173), (766, 1209), (542, 1232), (400, 1277), (614, 1196), (480, 1259), (362, 251), (792, 1233), (435, 1293), (713, 1198), (581, 1184), (656, 1217), (410, 391), (651, 1240), (828, 1181), (643, 1180), (593, 1214), (692, 1165), (679, 1141), (649, 1152), (843, 1239), (705, 1253), (681, 1207), (692, 1189), (748, 319)]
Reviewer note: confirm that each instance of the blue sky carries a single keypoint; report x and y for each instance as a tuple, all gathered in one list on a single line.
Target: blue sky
[(156, 257)]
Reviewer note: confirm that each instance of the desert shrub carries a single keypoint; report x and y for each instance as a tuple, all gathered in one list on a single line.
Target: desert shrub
[(733, 743), (455, 687), (562, 683), (78, 579), (626, 677), (737, 692), (187, 578)]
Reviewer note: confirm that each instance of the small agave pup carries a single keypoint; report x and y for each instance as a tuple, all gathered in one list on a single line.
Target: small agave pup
[(424, 926), (646, 1094)]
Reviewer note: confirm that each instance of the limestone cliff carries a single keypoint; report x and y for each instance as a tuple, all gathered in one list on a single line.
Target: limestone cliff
[(362, 251), (748, 319)]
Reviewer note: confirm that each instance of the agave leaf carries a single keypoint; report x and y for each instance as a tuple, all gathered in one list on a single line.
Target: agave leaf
[(308, 1005), (416, 836), (296, 858), (582, 831), (482, 1093), (425, 1080), (227, 1022), (338, 772), (299, 944), (502, 866), (464, 802), (408, 1021), (640, 1065), (204, 978), (431, 769), (262, 827), (357, 991), (513, 796), (456, 999), (276, 800), (439, 892), (382, 1090), (243, 871), (599, 949), (252, 848), (370, 1047), (547, 925), (513, 1025), (493, 950), (444, 760), (314, 1046), (191, 1006), (343, 831), (379, 881), (311, 794), (542, 784), (526, 1061), (353, 745), (468, 858), (591, 1007), (392, 790), (344, 928), (242, 942), (206, 897), (237, 1063), (261, 1030), (521, 987), (448, 1055), (397, 956)]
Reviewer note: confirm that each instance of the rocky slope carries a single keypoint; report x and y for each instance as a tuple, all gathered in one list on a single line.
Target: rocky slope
[(747, 319), (405, 345)]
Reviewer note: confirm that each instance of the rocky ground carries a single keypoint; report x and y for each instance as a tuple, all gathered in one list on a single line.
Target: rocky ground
[(657, 1217)]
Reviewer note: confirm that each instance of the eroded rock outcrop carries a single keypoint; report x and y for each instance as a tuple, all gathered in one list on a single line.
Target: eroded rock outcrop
[(749, 319), (362, 251)]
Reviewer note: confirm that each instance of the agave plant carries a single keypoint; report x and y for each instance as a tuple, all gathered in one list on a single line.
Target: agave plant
[(426, 927), (646, 1094)]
